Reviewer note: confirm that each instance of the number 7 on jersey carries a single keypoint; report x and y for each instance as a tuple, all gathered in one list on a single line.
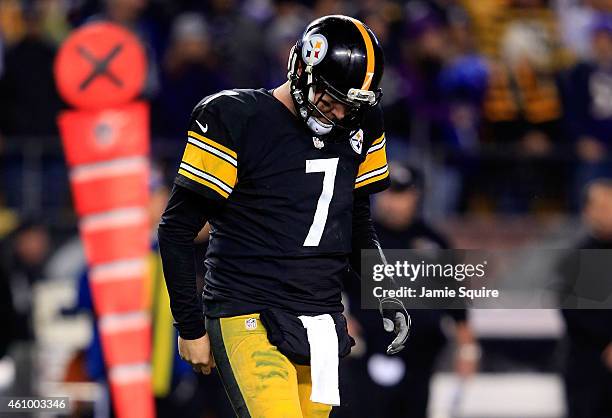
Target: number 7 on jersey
[(329, 167)]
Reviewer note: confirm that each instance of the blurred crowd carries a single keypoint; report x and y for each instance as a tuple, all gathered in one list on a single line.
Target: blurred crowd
[(491, 106), (505, 104)]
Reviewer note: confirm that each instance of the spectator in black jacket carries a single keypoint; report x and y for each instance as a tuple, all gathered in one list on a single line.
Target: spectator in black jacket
[(588, 366)]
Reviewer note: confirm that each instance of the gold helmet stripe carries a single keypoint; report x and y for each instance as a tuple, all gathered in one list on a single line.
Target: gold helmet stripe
[(370, 54)]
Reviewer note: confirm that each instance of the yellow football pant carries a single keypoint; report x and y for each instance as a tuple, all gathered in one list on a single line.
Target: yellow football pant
[(259, 380)]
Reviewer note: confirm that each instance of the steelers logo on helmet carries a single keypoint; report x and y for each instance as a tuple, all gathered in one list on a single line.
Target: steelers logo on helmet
[(314, 49)]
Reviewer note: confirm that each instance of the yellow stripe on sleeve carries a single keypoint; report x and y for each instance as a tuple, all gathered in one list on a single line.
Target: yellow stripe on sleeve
[(212, 143), (373, 161), (203, 182), (372, 179), (378, 141), (374, 168), (210, 163)]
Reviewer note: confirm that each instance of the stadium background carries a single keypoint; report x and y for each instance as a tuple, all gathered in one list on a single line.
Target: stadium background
[(505, 106)]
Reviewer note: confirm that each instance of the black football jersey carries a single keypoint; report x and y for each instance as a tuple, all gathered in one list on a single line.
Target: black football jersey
[(284, 233)]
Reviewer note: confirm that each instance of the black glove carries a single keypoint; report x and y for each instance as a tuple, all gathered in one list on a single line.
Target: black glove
[(396, 319)]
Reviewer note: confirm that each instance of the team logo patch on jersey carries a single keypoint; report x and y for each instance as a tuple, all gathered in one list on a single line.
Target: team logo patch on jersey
[(314, 49), (318, 143), (357, 141), (250, 324)]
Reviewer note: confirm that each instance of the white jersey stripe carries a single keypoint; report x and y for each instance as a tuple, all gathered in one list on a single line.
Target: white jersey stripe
[(213, 150), (377, 146), (371, 174), (206, 177)]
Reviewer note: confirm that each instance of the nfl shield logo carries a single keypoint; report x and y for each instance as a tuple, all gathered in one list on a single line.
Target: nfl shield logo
[(250, 324), (318, 143), (357, 141)]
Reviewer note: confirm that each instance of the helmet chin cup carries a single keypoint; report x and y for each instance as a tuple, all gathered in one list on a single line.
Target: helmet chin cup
[(317, 127)]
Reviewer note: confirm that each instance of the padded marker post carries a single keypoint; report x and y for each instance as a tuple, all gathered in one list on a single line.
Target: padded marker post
[(100, 70)]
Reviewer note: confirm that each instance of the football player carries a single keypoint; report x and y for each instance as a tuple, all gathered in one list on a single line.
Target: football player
[(283, 177)]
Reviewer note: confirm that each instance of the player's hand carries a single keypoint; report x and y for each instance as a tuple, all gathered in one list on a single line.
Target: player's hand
[(197, 353), (395, 319)]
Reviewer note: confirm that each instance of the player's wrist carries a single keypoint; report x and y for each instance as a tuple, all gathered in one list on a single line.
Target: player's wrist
[(191, 330)]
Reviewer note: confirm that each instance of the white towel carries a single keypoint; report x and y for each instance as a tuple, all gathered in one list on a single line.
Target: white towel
[(323, 342)]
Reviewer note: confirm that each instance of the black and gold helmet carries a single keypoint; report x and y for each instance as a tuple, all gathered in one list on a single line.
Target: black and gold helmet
[(340, 56)]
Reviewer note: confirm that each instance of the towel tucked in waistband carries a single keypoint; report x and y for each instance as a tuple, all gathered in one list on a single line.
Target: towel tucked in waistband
[(323, 341)]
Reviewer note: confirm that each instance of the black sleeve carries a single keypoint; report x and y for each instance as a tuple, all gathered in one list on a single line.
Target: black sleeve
[(184, 217), (364, 234)]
